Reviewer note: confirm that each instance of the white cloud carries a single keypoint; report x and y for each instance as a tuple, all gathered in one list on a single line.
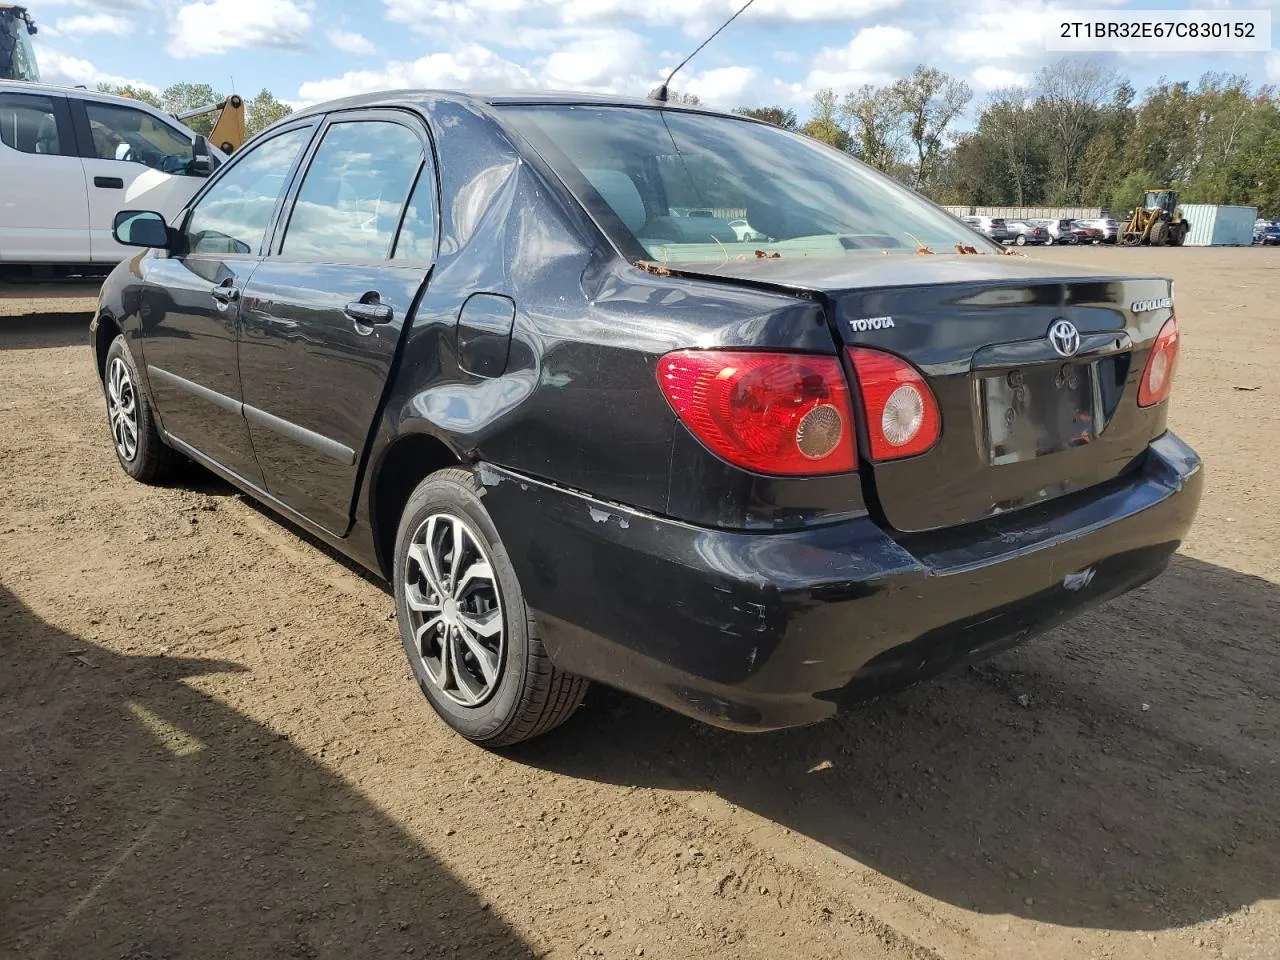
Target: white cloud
[(722, 87), (59, 68), (94, 23), (1273, 66), (994, 78), (217, 26), (999, 30), (598, 60), (350, 42), (876, 55), (472, 66)]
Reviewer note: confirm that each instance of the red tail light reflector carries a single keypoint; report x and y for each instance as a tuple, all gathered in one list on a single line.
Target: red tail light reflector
[(776, 413), (901, 412), (1157, 378)]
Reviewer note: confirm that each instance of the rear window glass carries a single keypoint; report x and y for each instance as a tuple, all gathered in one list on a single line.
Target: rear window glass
[(690, 187)]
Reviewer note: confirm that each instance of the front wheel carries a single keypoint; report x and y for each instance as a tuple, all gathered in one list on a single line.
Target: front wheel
[(134, 433), (466, 629)]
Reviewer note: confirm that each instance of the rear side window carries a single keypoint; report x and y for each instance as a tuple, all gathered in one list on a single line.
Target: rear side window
[(29, 123), (353, 193), (125, 133), (417, 240), (232, 217), (676, 182)]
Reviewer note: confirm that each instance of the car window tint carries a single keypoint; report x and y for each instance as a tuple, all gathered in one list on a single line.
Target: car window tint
[(29, 123), (233, 216), (124, 133), (417, 240), (676, 181), (353, 192)]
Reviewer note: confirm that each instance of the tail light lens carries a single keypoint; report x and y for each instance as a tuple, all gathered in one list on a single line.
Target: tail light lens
[(901, 411), (1157, 378), (775, 413)]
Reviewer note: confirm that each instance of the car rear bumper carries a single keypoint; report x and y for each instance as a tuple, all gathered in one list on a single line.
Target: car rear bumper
[(757, 631)]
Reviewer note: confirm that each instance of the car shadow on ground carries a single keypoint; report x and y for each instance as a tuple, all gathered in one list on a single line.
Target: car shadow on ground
[(1034, 784), (45, 330), (146, 819)]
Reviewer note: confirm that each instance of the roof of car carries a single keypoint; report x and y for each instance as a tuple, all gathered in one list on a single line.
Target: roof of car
[(384, 98), (27, 86)]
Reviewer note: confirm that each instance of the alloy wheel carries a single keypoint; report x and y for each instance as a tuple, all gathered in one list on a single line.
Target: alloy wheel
[(122, 409), (455, 609)]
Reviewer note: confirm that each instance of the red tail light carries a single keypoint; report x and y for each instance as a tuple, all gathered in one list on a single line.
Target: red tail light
[(900, 409), (1157, 378), (777, 413)]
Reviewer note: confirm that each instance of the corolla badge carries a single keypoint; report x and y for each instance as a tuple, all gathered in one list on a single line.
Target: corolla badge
[(1145, 306), (871, 323), (1064, 338)]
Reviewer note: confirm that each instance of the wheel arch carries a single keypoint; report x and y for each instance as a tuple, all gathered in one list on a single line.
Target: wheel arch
[(408, 460), (104, 333)]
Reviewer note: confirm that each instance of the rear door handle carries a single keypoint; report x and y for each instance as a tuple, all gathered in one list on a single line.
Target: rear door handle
[(368, 310), (109, 183), (225, 293)]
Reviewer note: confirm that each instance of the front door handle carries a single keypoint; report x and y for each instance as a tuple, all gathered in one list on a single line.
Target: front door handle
[(368, 309), (109, 183), (226, 292)]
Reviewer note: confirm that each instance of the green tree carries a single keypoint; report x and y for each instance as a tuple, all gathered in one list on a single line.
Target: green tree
[(180, 97), (931, 101), (825, 123), (783, 117), (876, 126), (262, 111), (132, 92)]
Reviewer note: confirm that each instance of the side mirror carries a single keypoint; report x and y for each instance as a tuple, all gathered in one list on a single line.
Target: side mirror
[(140, 228), (201, 159)]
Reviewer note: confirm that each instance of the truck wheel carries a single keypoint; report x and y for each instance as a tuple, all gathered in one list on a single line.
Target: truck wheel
[(470, 639), (134, 434), (1160, 233)]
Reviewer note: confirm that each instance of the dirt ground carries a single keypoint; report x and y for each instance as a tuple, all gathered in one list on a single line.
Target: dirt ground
[(210, 744)]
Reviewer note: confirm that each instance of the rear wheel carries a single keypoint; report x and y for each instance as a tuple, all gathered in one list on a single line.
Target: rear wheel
[(134, 433), (1048, 240), (1021, 241), (466, 629)]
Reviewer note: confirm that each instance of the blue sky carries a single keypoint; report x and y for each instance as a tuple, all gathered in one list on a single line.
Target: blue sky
[(780, 51)]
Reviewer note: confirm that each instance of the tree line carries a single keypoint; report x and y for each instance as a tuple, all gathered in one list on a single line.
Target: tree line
[(260, 111), (1078, 135)]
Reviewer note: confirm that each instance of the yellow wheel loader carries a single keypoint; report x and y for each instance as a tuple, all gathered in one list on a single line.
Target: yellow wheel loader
[(1157, 222)]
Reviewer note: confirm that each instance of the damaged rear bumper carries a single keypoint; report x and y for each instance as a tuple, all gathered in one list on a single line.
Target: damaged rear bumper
[(757, 631)]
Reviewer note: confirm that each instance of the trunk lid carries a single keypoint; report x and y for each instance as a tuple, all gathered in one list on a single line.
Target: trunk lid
[(1021, 423)]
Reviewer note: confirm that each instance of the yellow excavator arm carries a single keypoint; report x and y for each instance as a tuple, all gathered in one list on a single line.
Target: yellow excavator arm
[(228, 130)]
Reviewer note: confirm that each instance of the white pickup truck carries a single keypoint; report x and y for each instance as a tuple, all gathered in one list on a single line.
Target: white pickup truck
[(70, 159)]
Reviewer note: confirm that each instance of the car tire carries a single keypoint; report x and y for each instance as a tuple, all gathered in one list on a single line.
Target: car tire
[(134, 433), (1048, 241), (506, 689), (1021, 240)]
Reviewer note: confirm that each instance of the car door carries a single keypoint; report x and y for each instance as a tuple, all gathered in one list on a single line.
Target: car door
[(323, 314), (191, 301), (119, 144), (44, 215)]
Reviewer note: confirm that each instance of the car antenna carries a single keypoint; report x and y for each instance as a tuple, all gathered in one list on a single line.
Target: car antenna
[(659, 92)]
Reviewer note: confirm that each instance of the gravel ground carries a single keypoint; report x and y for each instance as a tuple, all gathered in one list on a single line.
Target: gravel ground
[(210, 745)]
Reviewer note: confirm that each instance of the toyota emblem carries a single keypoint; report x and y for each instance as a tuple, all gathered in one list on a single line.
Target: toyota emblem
[(1064, 337)]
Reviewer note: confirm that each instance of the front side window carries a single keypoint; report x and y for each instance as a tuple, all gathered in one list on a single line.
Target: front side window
[(232, 218), (29, 123), (695, 188), (351, 197), (124, 133)]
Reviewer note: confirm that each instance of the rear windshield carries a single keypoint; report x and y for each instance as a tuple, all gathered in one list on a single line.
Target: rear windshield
[(691, 188)]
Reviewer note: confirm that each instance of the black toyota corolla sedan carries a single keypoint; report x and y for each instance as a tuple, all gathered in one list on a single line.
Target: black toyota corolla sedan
[(517, 355)]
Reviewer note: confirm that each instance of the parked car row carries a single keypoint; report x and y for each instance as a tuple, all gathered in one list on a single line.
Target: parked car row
[(1267, 233), (1048, 232)]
